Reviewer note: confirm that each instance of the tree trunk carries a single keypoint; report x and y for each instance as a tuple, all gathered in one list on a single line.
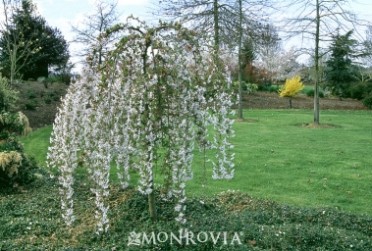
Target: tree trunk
[(240, 108), (216, 27), (316, 59), (290, 103), (152, 206)]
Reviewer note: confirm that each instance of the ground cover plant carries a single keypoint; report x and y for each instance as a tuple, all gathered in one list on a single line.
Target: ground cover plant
[(31, 221)]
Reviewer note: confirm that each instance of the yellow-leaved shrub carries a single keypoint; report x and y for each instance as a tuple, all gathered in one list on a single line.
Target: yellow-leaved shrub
[(291, 87)]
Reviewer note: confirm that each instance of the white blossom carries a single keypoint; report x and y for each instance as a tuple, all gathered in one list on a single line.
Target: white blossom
[(134, 113)]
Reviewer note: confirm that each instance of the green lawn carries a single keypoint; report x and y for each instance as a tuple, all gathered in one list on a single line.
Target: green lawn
[(278, 158), (36, 144)]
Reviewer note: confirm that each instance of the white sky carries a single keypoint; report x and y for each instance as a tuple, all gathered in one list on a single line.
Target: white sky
[(65, 13)]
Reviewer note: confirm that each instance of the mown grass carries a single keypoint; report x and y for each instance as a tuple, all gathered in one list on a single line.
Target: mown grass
[(281, 158), (36, 144)]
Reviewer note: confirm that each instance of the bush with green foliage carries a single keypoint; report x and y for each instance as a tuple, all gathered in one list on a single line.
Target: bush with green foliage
[(357, 91), (267, 87), (15, 166), (250, 88), (310, 93), (247, 87), (10, 122), (367, 101), (8, 96), (31, 105), (14, 123), (9, 143)]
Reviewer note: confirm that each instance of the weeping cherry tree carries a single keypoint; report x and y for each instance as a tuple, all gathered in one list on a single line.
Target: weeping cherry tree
[(145, 108)]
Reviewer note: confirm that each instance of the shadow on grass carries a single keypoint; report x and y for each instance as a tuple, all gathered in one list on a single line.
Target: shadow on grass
[(315, 126)]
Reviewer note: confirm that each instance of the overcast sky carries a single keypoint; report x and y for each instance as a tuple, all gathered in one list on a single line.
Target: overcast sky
[(65, 13)]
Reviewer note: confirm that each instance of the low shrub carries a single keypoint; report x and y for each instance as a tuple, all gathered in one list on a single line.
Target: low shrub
[(367, 101), (9, 122), (64, 78), (10, 163), (274, 88), (267, 87), (31, 105), (250, 88), (14, 123), (48, 100), (310, 93), (8, 96), (15, 167), (10, 143), (32, 95), (357, 91)]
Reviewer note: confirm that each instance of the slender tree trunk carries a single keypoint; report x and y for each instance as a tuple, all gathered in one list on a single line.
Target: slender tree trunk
[(316, 59), (290, 103), (13, 65), (216, 35), (152, 207), (240, 109)]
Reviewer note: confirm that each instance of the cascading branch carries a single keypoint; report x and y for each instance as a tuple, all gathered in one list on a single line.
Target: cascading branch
[(145, 107)]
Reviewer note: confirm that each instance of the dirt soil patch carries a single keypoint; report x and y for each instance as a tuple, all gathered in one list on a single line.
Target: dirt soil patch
[(267, 100)]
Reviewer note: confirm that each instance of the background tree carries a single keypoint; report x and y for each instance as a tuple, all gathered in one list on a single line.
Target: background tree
[(226, 21), (39, 46), (209, 17), (367, 47), (317, 21), (247, 27), (10, 53), (88, 34), (269, 51), (340, 71)]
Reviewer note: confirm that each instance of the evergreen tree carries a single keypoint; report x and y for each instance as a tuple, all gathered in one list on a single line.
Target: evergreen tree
[(39, 46), (340, 71)]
